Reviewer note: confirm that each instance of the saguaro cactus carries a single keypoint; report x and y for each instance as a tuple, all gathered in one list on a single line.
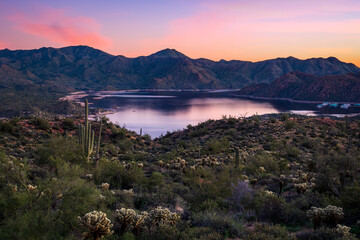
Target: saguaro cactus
[(86, 135), (98, 146), (237, 157)]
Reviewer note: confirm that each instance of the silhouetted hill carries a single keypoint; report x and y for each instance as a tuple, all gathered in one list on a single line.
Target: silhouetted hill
[(83, 67), (301, 86)]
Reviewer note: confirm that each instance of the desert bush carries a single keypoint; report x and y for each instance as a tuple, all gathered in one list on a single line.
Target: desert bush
[(241, 195), (269, 232), (201, 233), (68, 124), (198, 131), (223, 223), (162, 232), (117, 176), (350, 199), (42, 123), (289, 124), (260, 159), (46, 204), (58, 150), (6, 127), (324, 234), (118, 133), (146, 198), (216, 146), (156, 179)]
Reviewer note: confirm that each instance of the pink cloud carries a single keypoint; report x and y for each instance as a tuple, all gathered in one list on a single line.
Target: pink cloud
[(56, 26)]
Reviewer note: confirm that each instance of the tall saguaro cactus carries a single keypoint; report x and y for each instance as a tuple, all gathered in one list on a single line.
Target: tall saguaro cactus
[(98, 147), (86, 135), (237, 157)]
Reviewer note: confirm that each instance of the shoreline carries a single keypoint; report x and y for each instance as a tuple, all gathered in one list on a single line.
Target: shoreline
[(77, 96), (292, 100), (74, 96)]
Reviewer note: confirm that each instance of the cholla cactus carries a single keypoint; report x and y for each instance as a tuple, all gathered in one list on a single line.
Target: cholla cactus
[(208, 161), (126, 218), (160, 215), (32, 188), (105, 186), (262, 170), (140, 221), (343, 230), (129, 192), (331, 215), (89, 176), (97, 223), (193, 168), (129, 219), (269, 192), (300, 187), (140, 165)]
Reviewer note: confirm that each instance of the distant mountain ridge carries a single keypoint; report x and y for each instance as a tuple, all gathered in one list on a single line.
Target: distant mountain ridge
[(302, 86), (34, 79), (82, 67)]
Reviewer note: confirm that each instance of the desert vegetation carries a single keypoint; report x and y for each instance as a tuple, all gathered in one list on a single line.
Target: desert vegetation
[(262, 177)]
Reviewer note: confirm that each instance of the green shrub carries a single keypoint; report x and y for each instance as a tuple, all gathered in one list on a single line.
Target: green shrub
[(156, 179), (261, 159), (201, 233), (58, 150), (68, 124), (223, 223), (6, 127), (269, 232), (289, 124), (216, 146), (323, 234), (42, 123)]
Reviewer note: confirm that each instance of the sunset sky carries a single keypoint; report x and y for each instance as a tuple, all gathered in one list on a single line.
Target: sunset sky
[(227, 29)]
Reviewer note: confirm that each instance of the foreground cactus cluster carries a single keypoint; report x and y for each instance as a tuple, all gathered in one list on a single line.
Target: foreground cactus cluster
[(129, 219), (330, 216), (160, 215), (97, 223)]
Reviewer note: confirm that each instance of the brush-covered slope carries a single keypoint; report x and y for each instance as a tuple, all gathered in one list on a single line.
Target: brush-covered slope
[(301, 86)]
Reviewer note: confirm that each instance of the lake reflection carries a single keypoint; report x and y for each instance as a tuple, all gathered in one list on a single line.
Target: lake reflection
[(159, 112)]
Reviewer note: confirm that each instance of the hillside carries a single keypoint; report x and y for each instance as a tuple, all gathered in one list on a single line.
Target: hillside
[(301, 86), (234, 178)]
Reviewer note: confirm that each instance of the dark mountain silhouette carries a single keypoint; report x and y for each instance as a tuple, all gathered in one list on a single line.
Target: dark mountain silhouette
[(82, 67), (301, 86)]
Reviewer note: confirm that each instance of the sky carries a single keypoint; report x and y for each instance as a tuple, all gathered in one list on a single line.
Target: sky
[(215, 29)]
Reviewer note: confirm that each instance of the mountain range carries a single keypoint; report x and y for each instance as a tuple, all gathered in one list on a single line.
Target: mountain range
[(301, 86), (82, 67), (34, 78)]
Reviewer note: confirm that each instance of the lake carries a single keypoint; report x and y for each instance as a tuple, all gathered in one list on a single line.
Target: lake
[(157, 112)]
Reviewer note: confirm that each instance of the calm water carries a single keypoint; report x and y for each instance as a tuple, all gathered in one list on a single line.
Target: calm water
[(159, 112)]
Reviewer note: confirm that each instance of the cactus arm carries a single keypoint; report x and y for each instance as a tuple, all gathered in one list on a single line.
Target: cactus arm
[(98, 142)]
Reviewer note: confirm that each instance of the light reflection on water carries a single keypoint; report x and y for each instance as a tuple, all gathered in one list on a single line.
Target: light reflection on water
[(154, 122), (159, 112)]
